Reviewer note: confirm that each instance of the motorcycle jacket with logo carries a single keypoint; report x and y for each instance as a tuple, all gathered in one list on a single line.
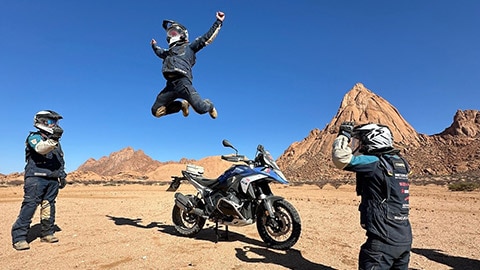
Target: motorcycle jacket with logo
[(179, 59), (50, 165), (382, 183)]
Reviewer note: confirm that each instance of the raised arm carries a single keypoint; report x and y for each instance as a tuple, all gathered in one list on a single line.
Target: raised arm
[(212, 33)]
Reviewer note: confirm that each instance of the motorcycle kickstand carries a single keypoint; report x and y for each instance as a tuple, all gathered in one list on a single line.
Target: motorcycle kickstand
[(217, 235)]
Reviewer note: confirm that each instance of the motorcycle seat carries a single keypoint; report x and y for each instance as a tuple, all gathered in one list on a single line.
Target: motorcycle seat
[(205, 181)]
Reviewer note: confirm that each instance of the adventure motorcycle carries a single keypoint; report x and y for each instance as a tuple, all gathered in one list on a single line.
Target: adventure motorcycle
[(240, 196)]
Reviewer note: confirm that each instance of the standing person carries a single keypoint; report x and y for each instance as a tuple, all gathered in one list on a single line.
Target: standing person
[(382, 183), (178, 61), (44, 175)]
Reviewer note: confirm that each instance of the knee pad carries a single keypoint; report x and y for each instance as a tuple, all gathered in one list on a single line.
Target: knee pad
[(45, 210)]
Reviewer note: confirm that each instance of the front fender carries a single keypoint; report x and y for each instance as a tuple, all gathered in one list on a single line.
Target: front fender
[(272, 199), (267, 205)]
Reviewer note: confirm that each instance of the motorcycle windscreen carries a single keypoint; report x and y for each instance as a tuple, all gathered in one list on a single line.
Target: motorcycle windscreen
[(279, 176)]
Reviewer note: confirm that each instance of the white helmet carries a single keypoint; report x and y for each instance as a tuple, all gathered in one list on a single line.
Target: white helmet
[(373, 138), (46, 120), (175, 32)]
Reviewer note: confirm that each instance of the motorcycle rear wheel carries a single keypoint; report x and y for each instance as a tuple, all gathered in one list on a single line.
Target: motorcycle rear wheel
[(282, 230), (186, 224)]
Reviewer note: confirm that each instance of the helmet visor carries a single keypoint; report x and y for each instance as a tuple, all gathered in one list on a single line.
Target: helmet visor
[(173, 32), (52, 122)]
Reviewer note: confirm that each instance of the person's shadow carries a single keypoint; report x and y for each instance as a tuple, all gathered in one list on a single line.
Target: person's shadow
[(132, 222), (457, 263), (35, 232), (291, 259)]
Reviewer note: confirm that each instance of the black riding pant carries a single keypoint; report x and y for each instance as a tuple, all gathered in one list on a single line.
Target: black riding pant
[(180, 88), (376, 254)]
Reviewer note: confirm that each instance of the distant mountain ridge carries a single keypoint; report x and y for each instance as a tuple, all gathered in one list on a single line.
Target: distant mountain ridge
[(454, 151), (126, 159)]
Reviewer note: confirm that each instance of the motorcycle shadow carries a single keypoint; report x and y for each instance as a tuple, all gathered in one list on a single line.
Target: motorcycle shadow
[(291, 259), (255, 252), (208, 234)]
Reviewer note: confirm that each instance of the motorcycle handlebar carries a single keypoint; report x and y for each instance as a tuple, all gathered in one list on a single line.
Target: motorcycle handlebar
[(234, 158)]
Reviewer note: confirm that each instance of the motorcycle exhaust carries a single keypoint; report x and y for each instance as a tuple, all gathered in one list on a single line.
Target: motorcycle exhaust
[(183, 202), (186, 205)]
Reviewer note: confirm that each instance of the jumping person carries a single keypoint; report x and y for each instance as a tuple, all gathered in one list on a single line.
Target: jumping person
[(178, 61), (382, 183)]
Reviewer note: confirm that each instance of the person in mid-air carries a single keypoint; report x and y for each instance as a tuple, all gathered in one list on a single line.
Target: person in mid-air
[(382, 182), (178, 61)]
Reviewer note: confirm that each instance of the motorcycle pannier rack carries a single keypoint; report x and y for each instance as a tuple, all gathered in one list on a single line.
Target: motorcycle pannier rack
[(198, 170)]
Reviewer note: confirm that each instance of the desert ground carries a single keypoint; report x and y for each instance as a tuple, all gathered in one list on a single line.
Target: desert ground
[(129, 227)]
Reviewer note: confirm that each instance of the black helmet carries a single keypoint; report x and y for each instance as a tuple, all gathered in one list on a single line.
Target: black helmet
[(175, 32), (45, 120), (373, 138)]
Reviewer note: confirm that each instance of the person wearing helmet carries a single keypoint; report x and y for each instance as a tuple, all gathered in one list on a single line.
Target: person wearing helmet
[(382, 183), (44, 176), (178, 61)]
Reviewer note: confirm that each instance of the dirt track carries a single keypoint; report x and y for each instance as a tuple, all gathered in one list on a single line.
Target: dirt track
[(129, 227)]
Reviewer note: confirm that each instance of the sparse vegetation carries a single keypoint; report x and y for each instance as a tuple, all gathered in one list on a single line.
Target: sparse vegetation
[(463, 186)]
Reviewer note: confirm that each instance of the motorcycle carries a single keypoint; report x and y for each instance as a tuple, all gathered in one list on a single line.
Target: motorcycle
[(240, 196)]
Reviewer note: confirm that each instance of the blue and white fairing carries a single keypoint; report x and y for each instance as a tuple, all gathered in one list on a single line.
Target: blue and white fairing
[(261, 173), (251, 174)]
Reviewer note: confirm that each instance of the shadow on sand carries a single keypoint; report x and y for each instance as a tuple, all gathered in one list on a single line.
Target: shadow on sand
[(291, 259), (455, 262), (35, 232), (120, 221)]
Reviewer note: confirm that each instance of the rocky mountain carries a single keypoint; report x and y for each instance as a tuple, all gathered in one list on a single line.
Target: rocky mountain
[(122, 161), (128, 164), (455, 150)]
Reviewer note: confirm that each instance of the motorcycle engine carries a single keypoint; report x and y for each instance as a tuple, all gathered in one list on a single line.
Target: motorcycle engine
[(230, 205)]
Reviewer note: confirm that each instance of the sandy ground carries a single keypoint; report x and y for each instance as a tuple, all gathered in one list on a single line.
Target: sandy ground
[(130, 227)]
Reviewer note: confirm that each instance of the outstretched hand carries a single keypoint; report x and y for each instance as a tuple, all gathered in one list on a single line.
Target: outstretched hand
[(153, 42), (220, 16)]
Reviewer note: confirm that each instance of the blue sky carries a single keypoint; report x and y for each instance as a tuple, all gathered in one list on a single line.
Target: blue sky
[(277, 70)]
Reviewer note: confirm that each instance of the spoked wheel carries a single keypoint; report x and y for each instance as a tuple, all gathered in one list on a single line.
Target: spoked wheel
[(282, 230), (186, 224)]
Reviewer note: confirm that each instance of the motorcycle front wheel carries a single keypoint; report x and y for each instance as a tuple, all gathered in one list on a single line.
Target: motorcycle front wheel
[(186, 224), (282, 230)]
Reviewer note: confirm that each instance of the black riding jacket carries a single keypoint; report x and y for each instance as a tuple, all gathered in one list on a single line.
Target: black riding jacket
[(50, 165), (382, 183), (179, 59)]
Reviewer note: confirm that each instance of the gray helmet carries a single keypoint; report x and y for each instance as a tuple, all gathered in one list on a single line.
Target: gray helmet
[(373, 138), (175, 32), (45, 120)]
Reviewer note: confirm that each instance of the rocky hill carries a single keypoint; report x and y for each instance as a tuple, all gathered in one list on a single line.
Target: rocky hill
[(124, 160), (128, 164), (454, 151)]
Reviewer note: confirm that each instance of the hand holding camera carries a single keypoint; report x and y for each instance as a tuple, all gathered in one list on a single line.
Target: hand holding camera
[(57, 133)]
